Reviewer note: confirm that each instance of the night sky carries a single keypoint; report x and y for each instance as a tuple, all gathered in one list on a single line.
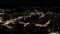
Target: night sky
[(15, 3)]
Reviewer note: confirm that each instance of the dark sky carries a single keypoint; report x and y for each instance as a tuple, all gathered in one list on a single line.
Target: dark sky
[(15, 3)]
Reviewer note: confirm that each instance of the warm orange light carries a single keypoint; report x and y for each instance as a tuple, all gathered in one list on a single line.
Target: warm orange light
[(25, 24), (44, 25), (47, 23)]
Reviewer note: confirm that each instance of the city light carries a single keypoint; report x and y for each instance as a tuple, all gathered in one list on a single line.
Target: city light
[(53, 33), (30, 21)]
